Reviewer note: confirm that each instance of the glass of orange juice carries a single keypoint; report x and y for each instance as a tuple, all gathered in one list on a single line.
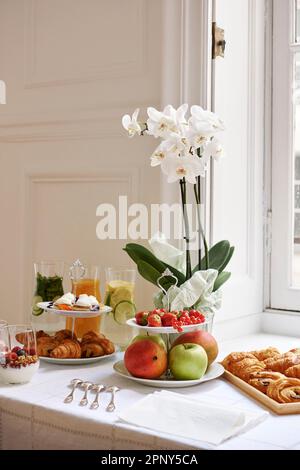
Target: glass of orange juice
[(85, 280)]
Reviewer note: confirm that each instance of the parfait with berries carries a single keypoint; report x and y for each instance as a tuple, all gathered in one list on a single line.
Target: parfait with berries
[(18, 354)]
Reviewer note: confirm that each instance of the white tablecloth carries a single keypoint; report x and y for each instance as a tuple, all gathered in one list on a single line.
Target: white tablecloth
[(33, 416)]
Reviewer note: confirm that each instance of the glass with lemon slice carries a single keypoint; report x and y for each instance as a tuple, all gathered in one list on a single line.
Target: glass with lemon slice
[(119, 295)]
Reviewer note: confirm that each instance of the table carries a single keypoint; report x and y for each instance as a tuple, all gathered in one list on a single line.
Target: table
[(33, 416)]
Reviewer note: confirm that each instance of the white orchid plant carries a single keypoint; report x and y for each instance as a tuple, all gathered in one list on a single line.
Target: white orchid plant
[(187, 145)]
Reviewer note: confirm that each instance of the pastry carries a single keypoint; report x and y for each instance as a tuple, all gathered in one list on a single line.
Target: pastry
[(246, 367), (41, 334), (285, 390), (295, 351), (45, 345), (263, 354), (283, 362), (64, 334), (92, 338), (67, 349), (262, 379), (90, 349), (293, 371), (235, 357)]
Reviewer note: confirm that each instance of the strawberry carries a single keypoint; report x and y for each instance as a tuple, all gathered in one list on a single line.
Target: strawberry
[(168, 318), (142, 318), (158, 311), (154, 320)]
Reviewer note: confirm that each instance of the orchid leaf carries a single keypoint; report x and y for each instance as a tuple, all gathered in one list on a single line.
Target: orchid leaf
[(231, 251), (221, 279), (218, 255), (148, 272), (139, 253)]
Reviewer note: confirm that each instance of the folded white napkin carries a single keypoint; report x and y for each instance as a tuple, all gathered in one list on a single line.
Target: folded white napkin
[(175, 414)]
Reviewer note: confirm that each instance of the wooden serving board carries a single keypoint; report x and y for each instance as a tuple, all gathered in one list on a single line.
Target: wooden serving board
[(278, 408)]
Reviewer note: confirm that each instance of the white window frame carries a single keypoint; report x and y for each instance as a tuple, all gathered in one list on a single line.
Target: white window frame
[(281, 294)]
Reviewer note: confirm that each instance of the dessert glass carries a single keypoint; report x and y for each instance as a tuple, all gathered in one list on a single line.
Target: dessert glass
[(18, 354), (119, 295), (85, 280)]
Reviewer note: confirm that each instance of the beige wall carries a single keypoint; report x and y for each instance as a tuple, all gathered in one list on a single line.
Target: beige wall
[(72, 69)]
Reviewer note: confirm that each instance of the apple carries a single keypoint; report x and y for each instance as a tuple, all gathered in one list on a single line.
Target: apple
[(146, 359), (204, 339), (188, 361), (156, 338)]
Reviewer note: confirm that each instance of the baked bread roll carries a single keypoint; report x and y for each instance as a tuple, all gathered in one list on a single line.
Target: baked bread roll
[(45, 345), (64, 334), (283, 362), (263, 354), (285, 390), (262, 379), (293, 371), (91, 349), (67, 349), (245, 368), (41, 334)]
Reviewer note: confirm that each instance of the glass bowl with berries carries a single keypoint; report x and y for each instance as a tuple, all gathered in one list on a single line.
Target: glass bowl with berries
[(18, 354)]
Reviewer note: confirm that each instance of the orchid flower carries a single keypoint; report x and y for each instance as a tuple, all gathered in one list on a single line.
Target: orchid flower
[(160, 124), (206, 121), (214, 149), (188, 167), (131, 124)]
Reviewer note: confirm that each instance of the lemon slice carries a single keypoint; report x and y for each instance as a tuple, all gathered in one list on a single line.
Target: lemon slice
[(36, 311), (113, 285), (119, 294), (123, 311)]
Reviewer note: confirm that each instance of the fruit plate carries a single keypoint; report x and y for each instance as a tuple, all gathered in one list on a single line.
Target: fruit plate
[(167, 329), (76, 362), (213, 372), (48, 307)]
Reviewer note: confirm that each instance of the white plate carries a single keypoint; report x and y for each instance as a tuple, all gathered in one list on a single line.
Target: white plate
[(74, 313), (213, 372), (165, 329), (76, 362)]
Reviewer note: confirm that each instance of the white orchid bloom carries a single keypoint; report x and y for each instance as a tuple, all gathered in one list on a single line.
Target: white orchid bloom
[(160, 153), (204, 120), (188, 167), (131, 124), (160, 124), (214, 149)]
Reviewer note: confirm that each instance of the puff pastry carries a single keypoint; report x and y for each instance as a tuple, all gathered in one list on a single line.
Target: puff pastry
[(95, 344), (236, 357), (68, 349), (262, 379), (246, 367), (263, 354), (45, 345), (64, 334), (285, 390), (293, 371), (283, 362)]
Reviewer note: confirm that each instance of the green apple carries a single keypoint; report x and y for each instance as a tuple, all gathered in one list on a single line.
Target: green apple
[(156, 338), (188, 361)]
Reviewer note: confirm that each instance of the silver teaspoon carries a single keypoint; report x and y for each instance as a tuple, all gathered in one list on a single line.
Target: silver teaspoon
[(75, 383), (98, 389), (111, 406), (86, 387)]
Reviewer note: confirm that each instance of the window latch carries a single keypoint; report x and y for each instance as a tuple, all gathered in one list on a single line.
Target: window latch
[(218, 41)]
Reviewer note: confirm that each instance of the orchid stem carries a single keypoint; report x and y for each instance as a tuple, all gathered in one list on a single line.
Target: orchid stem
[(186, 228), (197, 189)]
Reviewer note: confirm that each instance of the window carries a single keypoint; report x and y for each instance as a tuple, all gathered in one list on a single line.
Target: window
[(285, 254)]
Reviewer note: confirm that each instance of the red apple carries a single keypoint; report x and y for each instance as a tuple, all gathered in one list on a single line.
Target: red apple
[(204, 339), (146, 359)]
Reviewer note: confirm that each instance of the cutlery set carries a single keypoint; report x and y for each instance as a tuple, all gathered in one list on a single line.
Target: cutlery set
[(97, 388)]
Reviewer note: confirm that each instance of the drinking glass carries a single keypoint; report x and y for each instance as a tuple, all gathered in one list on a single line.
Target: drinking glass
[(48, 283), (119, 295), (3, 323), (18, 354), (85, 280)]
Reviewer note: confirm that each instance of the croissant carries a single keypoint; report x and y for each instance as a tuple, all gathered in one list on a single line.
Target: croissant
[(293, 371), (245, 368), (262, 379), (263, 354), (283, 362), (68, 349), (295, 351), (45, 345), (235, 357), (42, 334), (64, 334), (93, 342), (285, 390)]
